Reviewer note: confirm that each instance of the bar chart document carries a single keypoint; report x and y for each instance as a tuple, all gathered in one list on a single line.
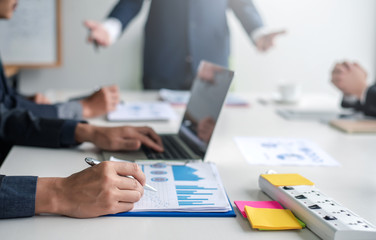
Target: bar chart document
[(190, 187), (142, 111), (283, 151)]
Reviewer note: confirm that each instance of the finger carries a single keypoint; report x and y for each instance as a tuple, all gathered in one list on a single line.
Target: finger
[(127, 196), (341, 68), (152, 134), (123, 207), (90, 24), (356, 65), (337, 69), (281, 32), (130, 169), (113, 88), (347, 65), (126, 183), (130, 144), (149, 142), (275, 34)]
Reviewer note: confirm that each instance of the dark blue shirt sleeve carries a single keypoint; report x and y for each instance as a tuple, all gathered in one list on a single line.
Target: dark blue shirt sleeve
[(247, 14), (21, 127), (67, 138), (17, 196), (125, 11), (369, 106)]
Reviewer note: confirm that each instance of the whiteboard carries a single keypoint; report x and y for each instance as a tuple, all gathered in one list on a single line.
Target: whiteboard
[(31, 38)]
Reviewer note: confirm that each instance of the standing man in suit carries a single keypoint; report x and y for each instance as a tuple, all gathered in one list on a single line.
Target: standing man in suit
[(181, 33), (351, 79)]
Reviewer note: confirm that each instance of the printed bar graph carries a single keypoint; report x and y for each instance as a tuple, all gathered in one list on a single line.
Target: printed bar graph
[(193, 187), (189, 198), (195, 204), (188, 195)]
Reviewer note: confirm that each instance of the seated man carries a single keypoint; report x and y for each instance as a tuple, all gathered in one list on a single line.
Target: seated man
[(19, 195), (26, 196), (351, 79), (99, 103)]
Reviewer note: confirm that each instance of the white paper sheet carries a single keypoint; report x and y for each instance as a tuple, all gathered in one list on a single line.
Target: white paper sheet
[(180, 97), (283, 151), (182, 187), (143, 111)]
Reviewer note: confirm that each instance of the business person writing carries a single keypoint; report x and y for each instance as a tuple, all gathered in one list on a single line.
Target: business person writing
[(181, 33), (92, 192), (351, 79)]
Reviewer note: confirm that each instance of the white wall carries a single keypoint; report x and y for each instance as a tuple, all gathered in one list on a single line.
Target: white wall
[(320, 32)]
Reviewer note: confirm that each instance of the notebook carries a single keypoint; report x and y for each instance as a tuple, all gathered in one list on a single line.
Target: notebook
[(354, 126), (183, 189), (142, 111), (207, 96)]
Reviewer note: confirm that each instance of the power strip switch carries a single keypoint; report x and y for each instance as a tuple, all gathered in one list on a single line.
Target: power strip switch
[(322, 214)]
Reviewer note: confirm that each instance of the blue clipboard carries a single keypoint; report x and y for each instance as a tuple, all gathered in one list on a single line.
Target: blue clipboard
[(230, 213)]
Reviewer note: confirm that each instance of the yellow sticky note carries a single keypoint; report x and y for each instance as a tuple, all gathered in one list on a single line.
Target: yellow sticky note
[(271, 219), (292, 179)]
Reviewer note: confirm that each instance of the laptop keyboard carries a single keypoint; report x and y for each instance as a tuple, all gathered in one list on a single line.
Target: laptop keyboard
[(172, 150)]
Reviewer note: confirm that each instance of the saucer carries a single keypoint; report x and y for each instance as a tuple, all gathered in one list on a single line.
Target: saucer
[(278, 99)]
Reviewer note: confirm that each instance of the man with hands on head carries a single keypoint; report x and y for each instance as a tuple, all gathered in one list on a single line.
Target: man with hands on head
[(95, 191), (351, 79)]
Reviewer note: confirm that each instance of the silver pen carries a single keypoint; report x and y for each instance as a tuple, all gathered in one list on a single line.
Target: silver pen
[(93, 162)]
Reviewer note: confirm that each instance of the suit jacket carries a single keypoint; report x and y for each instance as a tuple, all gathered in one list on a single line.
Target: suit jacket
[(181, 33), (369, 105)]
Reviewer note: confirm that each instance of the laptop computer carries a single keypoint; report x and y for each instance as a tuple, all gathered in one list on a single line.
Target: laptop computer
[(208, 94)]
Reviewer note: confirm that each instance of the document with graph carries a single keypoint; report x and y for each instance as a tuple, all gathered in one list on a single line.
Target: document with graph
[(190, 187)]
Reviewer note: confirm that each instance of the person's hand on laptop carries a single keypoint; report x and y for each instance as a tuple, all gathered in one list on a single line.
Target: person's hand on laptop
[(95, 191), (118, 138), (101, 102)]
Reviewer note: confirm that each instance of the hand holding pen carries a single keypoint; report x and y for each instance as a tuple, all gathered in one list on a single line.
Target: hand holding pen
[(98, 35), (93, 162), (92, 192)]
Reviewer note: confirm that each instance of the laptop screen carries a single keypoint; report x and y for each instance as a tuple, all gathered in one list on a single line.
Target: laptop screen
[(208, 94)]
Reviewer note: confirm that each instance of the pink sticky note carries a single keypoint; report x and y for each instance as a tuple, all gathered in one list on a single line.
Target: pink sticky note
[(257, 204)]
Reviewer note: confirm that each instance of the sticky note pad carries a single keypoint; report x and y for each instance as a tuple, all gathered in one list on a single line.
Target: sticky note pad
[(292, 179), (271, 219), (257, 204)]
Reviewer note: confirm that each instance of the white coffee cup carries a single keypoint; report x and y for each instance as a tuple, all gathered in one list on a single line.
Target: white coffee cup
[(289, 92)]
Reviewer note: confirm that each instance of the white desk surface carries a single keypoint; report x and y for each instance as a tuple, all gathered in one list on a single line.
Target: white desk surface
[(353, 183)]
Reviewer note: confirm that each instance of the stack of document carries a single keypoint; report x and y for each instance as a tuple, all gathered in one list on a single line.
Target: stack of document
[(143, 111), (283, 151), (186, 187), (179, 97), (191, 187)]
